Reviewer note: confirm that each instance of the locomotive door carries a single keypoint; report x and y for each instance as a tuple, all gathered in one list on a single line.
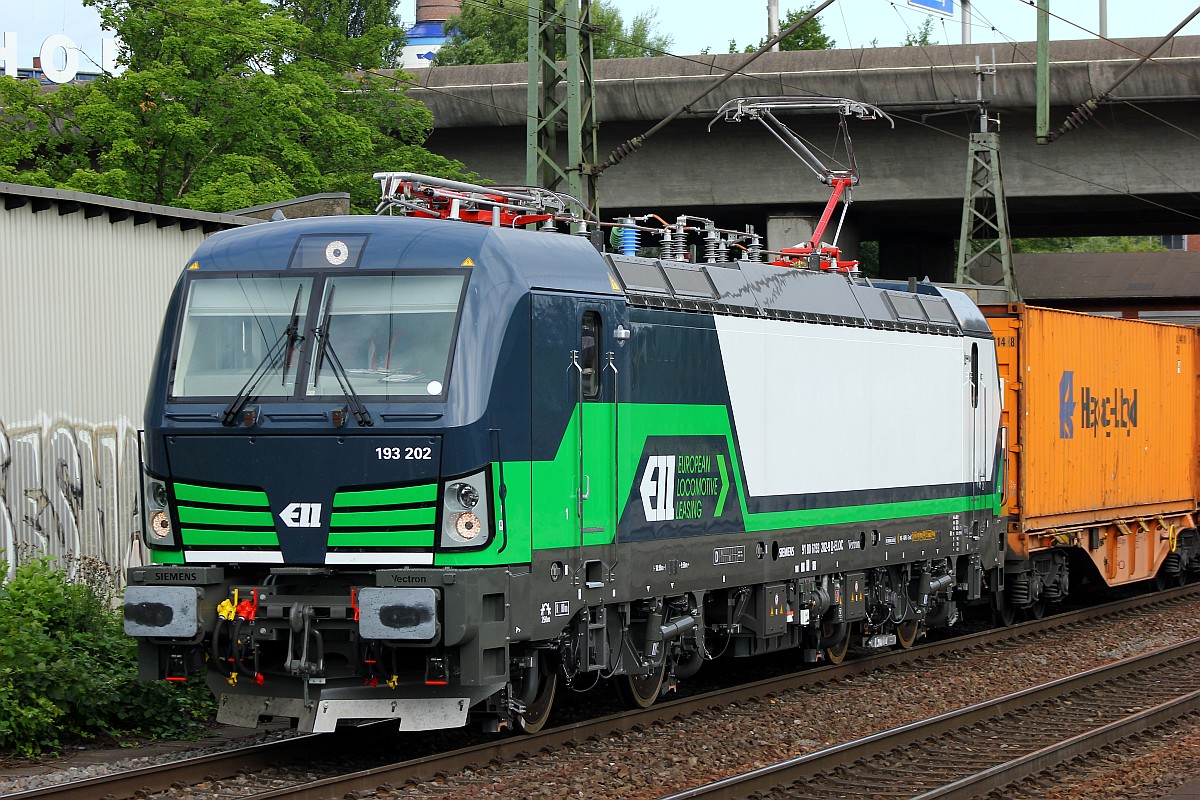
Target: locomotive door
[(977, 455), (576, 386)]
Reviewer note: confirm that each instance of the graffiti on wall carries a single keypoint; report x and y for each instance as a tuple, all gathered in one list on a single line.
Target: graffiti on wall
[(70, 490)]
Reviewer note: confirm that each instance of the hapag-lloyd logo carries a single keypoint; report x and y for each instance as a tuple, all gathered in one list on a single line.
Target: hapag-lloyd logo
[(1111, 410), (1066, 405)]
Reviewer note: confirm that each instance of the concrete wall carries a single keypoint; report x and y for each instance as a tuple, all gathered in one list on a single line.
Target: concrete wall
[(84, 282)]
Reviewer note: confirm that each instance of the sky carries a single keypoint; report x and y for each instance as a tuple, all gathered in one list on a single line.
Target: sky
[(695, 25)]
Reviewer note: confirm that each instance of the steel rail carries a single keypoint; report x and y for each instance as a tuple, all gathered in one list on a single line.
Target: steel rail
[(779, 775), (164, 777), (1050, 757), (390, 776)]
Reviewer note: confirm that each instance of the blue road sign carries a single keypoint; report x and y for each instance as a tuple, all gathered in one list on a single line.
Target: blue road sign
[(938, 6)]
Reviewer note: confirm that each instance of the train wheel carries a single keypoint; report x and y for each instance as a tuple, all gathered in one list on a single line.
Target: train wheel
[(640, 691), (906, 633), (537, 711), (1003, 613), (836, 653), (1037, 610)]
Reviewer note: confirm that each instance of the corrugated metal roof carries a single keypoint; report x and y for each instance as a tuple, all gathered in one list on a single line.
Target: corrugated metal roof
[(40, 198), (1174, 275)]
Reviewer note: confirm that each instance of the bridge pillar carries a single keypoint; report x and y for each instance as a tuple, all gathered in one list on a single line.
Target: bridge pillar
[(918, 256), (789, 228)]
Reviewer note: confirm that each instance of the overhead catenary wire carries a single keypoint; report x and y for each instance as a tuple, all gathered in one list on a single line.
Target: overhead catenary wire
[(1087, 109), (628, 147), (1127, 148), (1125, 47)]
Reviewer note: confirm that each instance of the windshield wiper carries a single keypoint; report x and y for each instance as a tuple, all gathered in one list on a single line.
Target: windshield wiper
[(289, 336), (293, 333), (325, 349)]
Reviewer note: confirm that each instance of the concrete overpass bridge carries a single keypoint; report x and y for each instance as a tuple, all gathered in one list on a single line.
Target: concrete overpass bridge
[(1133, 169)]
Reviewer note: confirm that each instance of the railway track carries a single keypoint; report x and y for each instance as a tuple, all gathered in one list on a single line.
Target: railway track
[(294, 753), (989, 746)]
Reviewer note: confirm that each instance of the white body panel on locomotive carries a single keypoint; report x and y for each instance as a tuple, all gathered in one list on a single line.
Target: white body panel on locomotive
[(868, 409)]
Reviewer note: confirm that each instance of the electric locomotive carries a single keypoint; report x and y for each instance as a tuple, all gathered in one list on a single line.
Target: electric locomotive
[(409, 468)]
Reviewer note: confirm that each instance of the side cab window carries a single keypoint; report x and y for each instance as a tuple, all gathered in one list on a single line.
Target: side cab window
[(589, 355)]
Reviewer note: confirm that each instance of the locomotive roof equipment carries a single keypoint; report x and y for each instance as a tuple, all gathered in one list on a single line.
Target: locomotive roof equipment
[(841, 181)]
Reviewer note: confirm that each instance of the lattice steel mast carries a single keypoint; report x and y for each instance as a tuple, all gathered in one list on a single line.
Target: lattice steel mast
[(562, 98), (984, 244)]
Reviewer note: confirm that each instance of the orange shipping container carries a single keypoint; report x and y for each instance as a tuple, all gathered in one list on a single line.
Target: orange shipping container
[(1101, 418)]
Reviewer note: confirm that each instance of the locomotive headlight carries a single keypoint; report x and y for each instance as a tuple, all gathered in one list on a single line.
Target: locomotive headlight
[(468, 495), (156, 516), (466, 515)]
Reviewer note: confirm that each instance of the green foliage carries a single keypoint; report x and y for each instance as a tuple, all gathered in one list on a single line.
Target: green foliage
[(809, 36), (226, 104), (868, 258), (499, 34), (67, 670), (923, 35), (1089, 244), (365, 33)]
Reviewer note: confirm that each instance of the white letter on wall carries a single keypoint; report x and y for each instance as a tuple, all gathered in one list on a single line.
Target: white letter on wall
[(70, 66), (8, 53)]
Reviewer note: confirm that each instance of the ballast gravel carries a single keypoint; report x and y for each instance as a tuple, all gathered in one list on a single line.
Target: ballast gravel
[(683, 753)]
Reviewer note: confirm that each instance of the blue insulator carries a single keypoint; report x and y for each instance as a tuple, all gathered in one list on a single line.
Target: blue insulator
[(629, 241)]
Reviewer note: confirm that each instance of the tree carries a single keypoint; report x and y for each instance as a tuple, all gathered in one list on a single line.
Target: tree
[(923, 35), (365, 33), (809, 36), (1089, 244), (222, 106), (499, 34)]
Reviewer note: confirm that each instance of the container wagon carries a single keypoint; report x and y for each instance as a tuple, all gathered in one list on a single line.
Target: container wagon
[(1101, 469)]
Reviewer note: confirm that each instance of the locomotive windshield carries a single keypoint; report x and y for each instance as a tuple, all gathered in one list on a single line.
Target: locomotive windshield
[(279, 336), (392, 333), (234, 327)]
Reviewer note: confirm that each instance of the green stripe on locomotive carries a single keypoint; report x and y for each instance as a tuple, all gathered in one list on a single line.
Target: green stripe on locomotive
[(541, 504)]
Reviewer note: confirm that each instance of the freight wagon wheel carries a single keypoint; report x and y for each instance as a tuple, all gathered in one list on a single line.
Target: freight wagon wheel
[(537, 711), (906, 633), (640, 691), (836, 653), (1163, 580)]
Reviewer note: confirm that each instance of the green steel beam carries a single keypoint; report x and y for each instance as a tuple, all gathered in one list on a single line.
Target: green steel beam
[(562, 98), (1043, 72)]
